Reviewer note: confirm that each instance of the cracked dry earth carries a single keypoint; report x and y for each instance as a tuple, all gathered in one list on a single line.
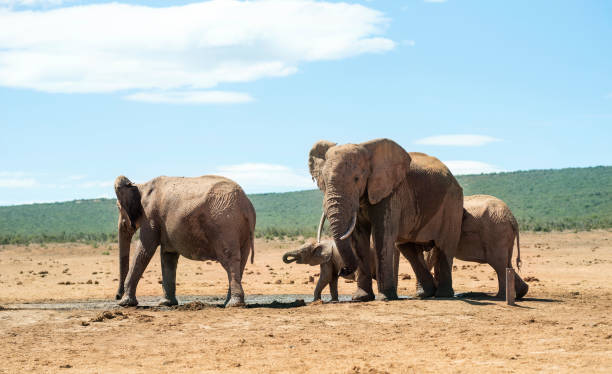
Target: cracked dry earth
[(564, 325)]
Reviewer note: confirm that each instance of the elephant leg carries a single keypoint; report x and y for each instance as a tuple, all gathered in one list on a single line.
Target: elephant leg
[(444, 275), (169, 261), (384, 234), (319, 289), (500, 270), (325, 277), (143, 256), (360, 241), (333, 288), (233, 266), (425, 280), (228, 295)]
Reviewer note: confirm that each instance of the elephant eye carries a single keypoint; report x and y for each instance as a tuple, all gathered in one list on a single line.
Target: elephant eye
[(356, 179)]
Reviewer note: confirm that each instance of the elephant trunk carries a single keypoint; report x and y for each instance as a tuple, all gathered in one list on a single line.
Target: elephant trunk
[(291, 256), (125, 238), (342, 220)]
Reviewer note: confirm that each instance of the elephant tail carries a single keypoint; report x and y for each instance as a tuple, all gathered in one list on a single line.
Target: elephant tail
[(518, 245), (252, 243)]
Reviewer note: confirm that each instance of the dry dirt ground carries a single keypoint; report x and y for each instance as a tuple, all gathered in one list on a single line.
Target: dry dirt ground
[(564, 325)]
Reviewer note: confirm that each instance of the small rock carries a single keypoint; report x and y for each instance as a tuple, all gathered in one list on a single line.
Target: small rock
[(89, 281), (278, 281), (66, 366), (310, 279)]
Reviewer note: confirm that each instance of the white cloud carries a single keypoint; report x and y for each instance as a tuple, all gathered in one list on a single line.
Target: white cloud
[(459, 167), (30, 3), (17, 182), (115, 47), (409, 43), (435, 1), (464, 140), (259, 177), (191, 97)]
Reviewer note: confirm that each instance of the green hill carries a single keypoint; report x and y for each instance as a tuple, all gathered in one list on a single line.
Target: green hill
[(575, 198)]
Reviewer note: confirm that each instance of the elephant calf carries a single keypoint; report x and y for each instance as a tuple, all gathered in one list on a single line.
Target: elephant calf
[(326, 255), (488, 231)]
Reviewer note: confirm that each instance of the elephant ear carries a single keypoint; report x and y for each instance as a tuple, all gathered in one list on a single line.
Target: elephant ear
[(321, 253), (316, 160), (389, 164), (128, 200)]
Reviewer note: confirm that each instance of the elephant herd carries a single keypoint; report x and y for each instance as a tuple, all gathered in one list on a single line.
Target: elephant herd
[(379, 200)]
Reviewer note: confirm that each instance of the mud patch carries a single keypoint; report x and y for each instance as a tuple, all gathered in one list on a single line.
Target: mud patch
[(108, 314), (279, 304), (195, 305)]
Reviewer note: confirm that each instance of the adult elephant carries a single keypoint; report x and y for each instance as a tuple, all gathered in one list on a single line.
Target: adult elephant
[(202, 218), (402, 199)]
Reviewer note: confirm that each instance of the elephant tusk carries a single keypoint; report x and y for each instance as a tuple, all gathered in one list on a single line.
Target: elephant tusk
[(320, 229), (351, 228)]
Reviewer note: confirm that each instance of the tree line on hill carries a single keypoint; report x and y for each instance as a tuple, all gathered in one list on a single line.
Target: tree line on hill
[(542, 200)]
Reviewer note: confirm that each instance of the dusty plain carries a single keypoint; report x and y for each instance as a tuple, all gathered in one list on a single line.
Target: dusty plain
[(564, 324)]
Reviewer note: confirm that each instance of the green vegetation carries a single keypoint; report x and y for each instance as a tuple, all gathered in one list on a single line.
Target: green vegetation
[(542, 200)]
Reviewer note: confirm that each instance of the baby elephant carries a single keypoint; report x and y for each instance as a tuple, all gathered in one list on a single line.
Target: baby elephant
[(488, 232), (327, 256)]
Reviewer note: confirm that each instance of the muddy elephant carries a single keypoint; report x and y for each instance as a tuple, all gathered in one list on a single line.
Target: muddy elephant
[(487, 237), (401, 199), (202, 218), (325, 254)]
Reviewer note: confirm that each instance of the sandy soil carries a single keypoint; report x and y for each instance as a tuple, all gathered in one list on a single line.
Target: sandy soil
[(563, 326)]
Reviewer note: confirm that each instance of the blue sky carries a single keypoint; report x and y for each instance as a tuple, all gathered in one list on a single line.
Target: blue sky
[(91, 90)]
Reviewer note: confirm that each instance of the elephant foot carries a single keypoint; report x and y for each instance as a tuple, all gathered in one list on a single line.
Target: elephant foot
[(119, 294), (445, 292), (235, 302), (128, 301), (520, 293), (168, 302), (389, 295), (425, 293), (361, 295)]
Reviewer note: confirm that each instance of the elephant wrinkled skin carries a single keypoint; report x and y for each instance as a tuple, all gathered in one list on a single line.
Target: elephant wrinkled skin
[(487, 236), (202, 218), (326, 255), (401, 199)]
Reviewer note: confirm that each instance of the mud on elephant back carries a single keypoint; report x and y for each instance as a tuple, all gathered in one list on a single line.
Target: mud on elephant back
[(377, 189), (202, 218)]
